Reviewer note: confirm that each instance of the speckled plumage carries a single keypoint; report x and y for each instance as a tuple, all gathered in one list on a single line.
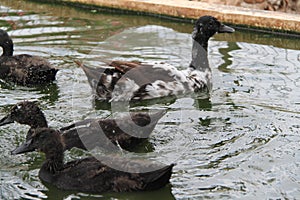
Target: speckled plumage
[(23, 69), (89, 174), (125, 81)]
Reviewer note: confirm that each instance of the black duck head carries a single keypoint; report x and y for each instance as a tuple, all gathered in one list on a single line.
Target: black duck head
[(25, 112), (46, 140), (6, 43), (206, 26)]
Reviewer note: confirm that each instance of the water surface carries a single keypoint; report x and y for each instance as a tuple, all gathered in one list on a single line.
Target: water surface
[(239, 142)]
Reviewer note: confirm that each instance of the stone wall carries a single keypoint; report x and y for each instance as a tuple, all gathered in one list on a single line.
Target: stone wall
[(291, 6)]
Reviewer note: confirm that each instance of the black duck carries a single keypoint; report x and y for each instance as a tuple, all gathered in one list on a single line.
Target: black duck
[(23, 69), (89, 174), (126, 132)]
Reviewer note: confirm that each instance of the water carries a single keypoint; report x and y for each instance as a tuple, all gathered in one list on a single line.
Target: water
[(240, 142)]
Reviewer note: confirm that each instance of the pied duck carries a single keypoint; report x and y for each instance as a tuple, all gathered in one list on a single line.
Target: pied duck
[(129, 81)]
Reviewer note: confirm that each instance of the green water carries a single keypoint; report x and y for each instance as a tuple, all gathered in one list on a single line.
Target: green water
[(239, 142)]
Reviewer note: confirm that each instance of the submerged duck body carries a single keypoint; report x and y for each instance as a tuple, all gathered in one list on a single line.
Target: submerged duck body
[(23, 69), (127, 131), (125, 81), (89, 174)]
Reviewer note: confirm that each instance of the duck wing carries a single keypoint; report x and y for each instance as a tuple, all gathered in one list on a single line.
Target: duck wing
[(123, 81), (124, 66), (126, 131), (85, 175), (93, 175), (149, 81), (151, 180)]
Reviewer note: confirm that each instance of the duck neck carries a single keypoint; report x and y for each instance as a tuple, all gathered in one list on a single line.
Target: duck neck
[(199, 56), (39, 121), (202, 41), (54, 160), (8, 47)]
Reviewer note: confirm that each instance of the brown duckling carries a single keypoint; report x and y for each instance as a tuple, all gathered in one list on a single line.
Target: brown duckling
[(126, 81), (23, 69), (126, 132), (90, 174)]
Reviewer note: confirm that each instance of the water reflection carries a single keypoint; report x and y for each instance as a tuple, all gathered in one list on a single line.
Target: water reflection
[(227, 57), (240, 141), (16, 188), (164, 193), (50, 92)]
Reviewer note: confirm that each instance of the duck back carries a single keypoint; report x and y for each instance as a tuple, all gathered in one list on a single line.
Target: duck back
[(26, 70), (90, 175)]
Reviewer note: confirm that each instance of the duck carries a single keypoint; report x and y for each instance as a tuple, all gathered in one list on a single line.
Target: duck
[(135, 81), (23, 69), (90, 174), (125, 132)]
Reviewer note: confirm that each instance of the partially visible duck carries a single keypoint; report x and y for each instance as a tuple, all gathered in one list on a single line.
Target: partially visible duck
[(89, 174), (23, 69), (127, 131), (125, 81)]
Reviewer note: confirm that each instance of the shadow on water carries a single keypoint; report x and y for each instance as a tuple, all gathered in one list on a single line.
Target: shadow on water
[(164, 193)]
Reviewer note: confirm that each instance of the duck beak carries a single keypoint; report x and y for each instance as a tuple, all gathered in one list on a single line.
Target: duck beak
[(6, 120), (23, 148), (225, 29)]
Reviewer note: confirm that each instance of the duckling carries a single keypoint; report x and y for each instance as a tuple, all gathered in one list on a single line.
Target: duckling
[(126, 132), (130, 81), (89, 174), (24, 69)]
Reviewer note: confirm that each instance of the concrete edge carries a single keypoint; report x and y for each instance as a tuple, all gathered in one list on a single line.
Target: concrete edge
[(193, 9)]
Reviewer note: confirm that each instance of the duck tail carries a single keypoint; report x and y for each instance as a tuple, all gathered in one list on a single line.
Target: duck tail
[(158, 178), (157, 116), (85, 68), (54, 71), (93, 75)]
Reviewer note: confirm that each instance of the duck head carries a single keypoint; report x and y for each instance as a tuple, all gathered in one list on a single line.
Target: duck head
[(205, 27), (6, 43), (25, 112), (46, 140)]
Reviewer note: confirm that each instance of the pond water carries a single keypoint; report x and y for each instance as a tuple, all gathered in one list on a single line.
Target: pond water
[(239, 142)]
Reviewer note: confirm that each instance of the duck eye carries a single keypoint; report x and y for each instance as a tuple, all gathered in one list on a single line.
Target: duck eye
[(14, 109), (199, 27)]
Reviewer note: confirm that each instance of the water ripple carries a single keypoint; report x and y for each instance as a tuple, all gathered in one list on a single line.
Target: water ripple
[(239, 142)]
